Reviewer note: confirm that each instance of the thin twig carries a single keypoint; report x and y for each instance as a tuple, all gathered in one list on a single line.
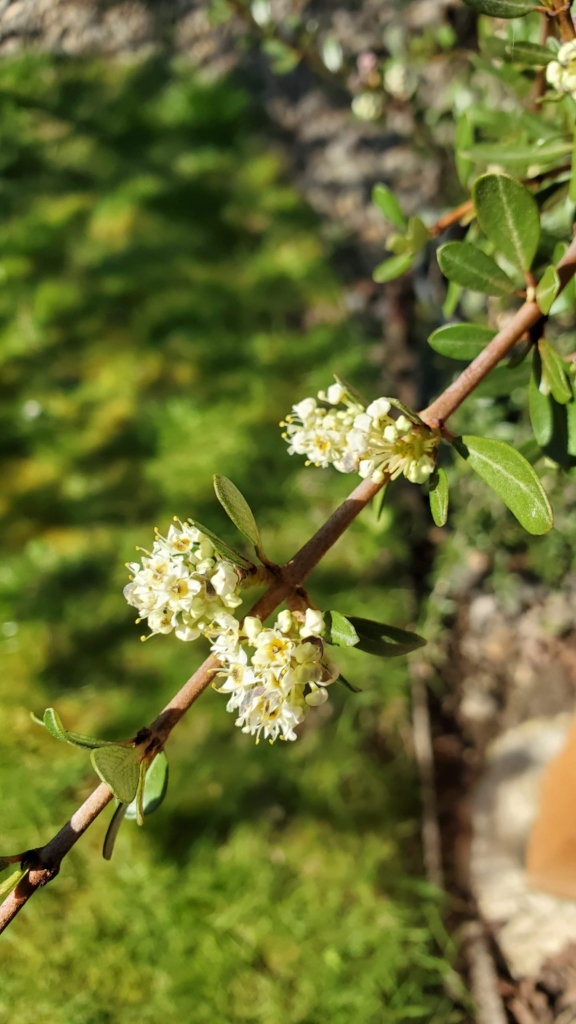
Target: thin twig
[(483, 976), (45, 862)]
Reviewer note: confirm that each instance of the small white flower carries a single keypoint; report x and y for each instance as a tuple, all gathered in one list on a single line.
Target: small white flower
[(225, 580), (335, 394), (284, 621), (403, 425), (561, 73), (313, 623), (378, 409), (252, 626), (305, 408)]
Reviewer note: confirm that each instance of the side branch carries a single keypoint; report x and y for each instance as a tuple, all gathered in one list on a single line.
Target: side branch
[(46, 860), (523, 320)]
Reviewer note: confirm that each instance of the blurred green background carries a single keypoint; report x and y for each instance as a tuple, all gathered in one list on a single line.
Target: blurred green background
[(164, 298)]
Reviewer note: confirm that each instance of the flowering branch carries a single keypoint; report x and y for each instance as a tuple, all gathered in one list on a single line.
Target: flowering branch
[(43, 864)]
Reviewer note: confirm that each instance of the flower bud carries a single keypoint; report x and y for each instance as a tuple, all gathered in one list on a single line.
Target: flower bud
[(252, 626), (403, 425), (224, 580), (335, 394), (379, 408), (316, 697), (313, 623), (284, 621)]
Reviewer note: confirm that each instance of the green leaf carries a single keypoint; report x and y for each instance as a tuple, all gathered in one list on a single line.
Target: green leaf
[(554, 379), (404, 409), (393, 268), (464, 140), (461, 341), (508, 215), (119, 768), (10, 883), (155, 786), (389, 206), (503, 8), (354, 689), (223, 548), (531, 450), (399, 244), (418, 233), (540, 409), (522, 153), (512, 477), (237, 508), (113, 830), (339, 630), (547, 290), (351, 391), (469, 267), (438, 496), (453, 296), (571, 424), (53, 724), (371, 638), (528, 54), (378, 501), (572, 191)]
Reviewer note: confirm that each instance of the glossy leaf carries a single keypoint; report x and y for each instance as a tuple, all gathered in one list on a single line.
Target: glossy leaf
[(528, 54), (409, 413), (223, 548), (438, 496), (519, 153), (373, 638), (572, 190), (503, 8), (339, 630), (389, 206), (390, 269), (554, 379), (509, 216), (469, 267), (113, 830), (508, 473), (155, 786), (547, 290), (237, 508), (540, 409), (53, 724), (461, 341), (119, 768), (10, 883)]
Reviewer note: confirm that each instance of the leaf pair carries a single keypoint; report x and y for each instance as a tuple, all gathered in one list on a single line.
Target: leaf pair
[(552, 406), (238, 510), (414, 235), (151, 779), (511, 476), (508, 215), (368, 636)]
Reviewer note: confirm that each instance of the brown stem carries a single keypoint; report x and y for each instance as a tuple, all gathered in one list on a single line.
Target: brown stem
[(564, 19), (46, 860), (438, 412)]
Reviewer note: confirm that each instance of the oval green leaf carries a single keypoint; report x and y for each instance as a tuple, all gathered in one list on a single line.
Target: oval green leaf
[(503, 8), (113, 830), (237, 508), (461, 341), (509, 216), (223, 548), (339, 630), (53, 724), (512, 478), (371, 638), (540, 409), (393, 268), (389, 206), (10, 883), (554, 379), (438, 496), (531, 55), (119, 768), (469, 267), (519, 153), (547, 290), (155, 786)]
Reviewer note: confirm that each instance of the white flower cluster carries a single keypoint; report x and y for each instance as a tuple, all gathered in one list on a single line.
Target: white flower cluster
[(561, 73), (287, 673), (182, 584), (366, 441)]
